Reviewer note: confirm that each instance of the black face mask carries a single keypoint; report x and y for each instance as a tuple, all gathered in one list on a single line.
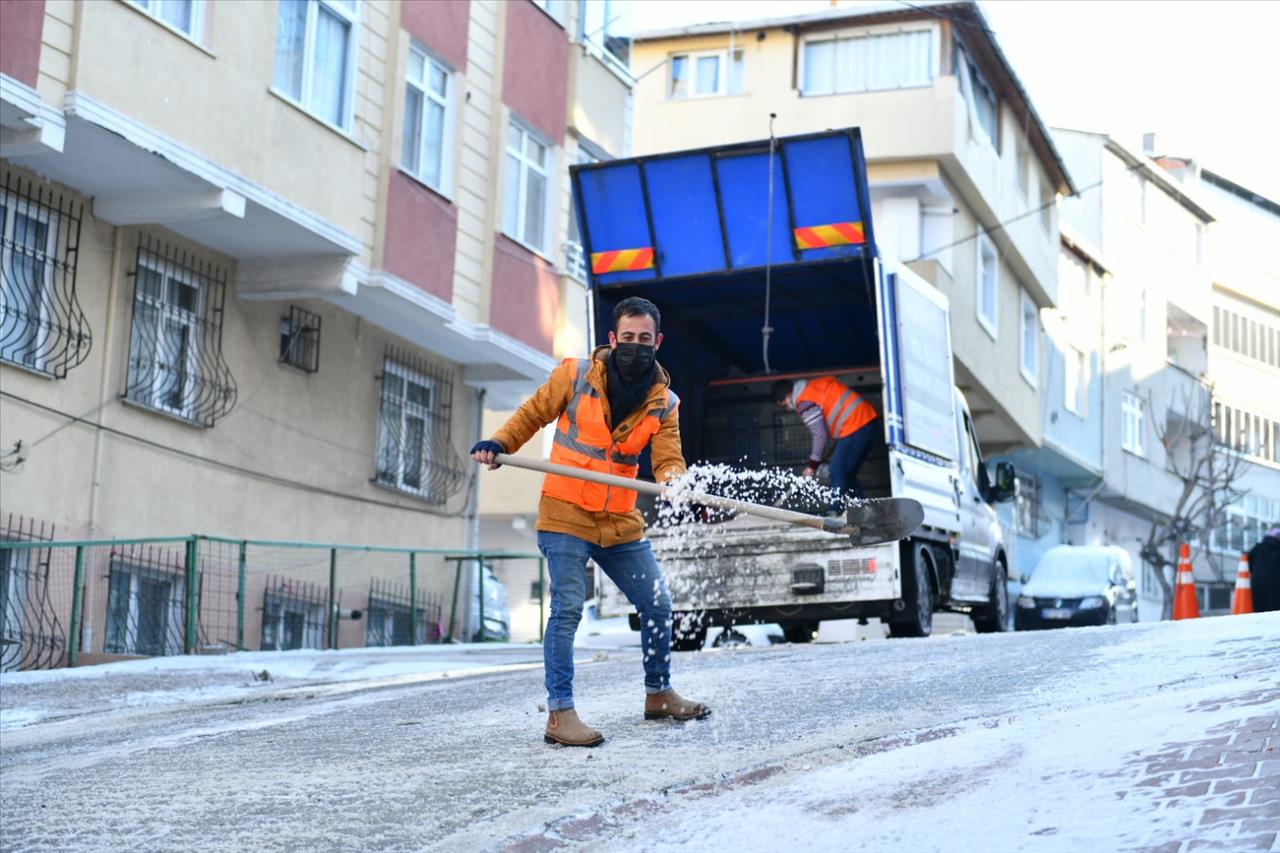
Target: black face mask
[(633, 360)]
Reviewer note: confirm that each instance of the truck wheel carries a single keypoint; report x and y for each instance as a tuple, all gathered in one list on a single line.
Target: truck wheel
[(800, 632), (994, 616), (917, 591)]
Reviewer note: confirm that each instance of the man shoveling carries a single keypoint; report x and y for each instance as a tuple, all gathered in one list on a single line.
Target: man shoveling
[(609, 408)]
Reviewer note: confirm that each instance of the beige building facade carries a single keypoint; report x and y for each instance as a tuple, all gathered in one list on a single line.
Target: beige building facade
[(262, 279), (964, 177)]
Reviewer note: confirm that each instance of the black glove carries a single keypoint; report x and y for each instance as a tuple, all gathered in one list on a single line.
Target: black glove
[(488, 446)]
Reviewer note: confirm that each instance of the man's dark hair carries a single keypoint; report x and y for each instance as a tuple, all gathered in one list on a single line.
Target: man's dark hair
[(782, 390), (638, 306)]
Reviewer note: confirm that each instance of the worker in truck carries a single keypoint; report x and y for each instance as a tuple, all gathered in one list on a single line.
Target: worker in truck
[(608, 409), (833, 412)]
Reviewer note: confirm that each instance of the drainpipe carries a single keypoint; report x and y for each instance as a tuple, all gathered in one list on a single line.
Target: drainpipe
[(471, 535), (104, 378)]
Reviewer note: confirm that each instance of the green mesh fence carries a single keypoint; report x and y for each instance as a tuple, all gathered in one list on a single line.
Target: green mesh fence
[(74, 602)]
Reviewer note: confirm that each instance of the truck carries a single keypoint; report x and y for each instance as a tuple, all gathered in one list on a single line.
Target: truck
[(762, 258)]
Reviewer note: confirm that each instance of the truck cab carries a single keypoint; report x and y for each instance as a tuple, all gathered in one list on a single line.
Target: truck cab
[(762, 258)]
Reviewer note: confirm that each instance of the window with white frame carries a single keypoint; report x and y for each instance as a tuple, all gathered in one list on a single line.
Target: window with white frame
[(867, 63), (1243, 525), (1073, 385), (428, 120), (526, 195), (705, 74), (1133, 413), (316, 46), (575, 262), (185, 16), (604, 26), (28, 247), (988, 284), (984, 108), (404, 430), (1022, 165), (1030, 340), (554, 8)]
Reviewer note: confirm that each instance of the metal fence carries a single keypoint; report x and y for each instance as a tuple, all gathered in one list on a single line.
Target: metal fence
[(64, 603)]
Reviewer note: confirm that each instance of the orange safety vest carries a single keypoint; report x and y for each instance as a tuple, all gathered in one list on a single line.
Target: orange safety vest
[(843, 409), (583, 440)]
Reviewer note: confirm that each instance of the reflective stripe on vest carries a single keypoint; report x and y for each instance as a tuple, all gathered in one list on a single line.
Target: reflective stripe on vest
[(597, 451), (839, 405)]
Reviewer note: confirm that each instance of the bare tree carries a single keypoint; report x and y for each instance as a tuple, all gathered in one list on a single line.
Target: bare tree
[(1207, 469)]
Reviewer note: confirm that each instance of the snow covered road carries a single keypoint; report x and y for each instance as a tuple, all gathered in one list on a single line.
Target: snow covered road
[(1082, 739)]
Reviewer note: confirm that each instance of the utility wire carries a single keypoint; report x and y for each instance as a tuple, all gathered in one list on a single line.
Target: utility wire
[(227, 466)]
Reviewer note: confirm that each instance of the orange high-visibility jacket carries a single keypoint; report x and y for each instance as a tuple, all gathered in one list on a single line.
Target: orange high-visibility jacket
[(583, 440), (843, 409)]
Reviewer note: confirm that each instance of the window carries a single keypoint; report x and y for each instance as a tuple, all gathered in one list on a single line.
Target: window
[(1023, 166), (415, 449), (554, 8), (293, 616), (1132, 410), (300, 339), (428, 121), (575, 263), (526, 198), (175, 347), (1027, 506), (16, 582), (315, 57), (1249, 433), (1074, 381), (1030, 322), (145, 606), (983, 107), (391, 617), (604, 27), (706, 74), (988, 285), (185, 16), (867, 63), (1243, 525)]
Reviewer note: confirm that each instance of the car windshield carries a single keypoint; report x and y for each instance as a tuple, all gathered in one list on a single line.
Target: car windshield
[(1073, 569)]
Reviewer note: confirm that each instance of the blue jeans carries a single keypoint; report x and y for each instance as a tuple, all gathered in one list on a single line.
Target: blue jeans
[(847, 459), (635, 571)]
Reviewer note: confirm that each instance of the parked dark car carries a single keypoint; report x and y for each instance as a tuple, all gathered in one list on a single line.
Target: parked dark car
[(1076, 585)]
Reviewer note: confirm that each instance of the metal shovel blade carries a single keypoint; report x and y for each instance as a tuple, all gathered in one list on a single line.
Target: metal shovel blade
[(878, 520)]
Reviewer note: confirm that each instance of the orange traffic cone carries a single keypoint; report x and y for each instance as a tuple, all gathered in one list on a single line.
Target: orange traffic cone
[(1185, 605), (1242, 601)]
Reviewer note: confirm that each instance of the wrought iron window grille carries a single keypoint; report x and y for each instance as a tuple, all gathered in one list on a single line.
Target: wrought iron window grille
[(176, 364), (300, 339), (146, 592), (293, 615), (42, 326), (415, 437), (31, 634), (391, 618)]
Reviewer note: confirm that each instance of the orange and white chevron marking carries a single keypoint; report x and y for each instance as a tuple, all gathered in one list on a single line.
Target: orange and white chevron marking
[(824, 236), (622, 260)]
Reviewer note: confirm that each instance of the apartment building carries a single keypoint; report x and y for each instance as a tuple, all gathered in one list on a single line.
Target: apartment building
[(964, 175), (1134, 365), (1243, 355), (261, 279)]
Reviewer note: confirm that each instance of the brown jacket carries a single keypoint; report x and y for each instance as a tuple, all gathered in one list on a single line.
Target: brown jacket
[(546, 405)]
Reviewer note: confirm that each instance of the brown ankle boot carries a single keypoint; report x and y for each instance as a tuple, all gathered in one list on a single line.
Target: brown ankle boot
[(564, 727), (669, 705)]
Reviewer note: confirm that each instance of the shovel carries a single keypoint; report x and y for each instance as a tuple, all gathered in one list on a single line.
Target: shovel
[(866, 522)]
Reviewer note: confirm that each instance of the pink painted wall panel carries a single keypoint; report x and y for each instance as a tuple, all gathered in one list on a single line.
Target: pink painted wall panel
[(21, 28), (535, 73), (525, 295), (441, 26), (422, 231)]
